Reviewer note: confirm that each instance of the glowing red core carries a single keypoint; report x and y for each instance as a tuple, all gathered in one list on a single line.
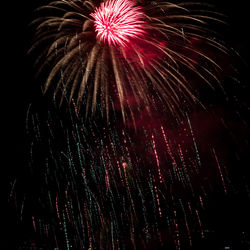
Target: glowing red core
[(117, 21)]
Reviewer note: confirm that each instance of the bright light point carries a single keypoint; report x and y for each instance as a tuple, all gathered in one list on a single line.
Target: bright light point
[(117, 21)]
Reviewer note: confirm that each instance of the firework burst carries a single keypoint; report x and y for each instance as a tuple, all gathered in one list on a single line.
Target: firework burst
[(118, 21), (120, 55)]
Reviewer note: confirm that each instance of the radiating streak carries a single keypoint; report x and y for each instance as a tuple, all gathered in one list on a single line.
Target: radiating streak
[(157, 159), (194, 141), (219, 167), (170, 152), (34, 223), (199, 220)]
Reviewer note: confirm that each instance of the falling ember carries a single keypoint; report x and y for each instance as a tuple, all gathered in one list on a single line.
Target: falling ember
[(157, 159), (34, 223), (199, 220), (118, 21), (221, 175), (170, 152)]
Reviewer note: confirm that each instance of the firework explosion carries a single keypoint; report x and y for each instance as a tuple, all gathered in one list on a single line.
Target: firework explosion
[(120, 55), (116, 22), (136, 174)]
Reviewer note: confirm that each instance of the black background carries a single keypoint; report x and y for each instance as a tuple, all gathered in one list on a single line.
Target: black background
[(19, 87)]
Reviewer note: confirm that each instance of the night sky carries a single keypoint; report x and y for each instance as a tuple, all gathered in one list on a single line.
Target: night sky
[(229, 215)]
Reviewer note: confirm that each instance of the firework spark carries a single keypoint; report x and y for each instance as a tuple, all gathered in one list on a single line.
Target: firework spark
[(88, 60)]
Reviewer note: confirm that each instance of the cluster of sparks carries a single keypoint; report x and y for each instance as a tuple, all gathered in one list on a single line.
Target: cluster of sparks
[(100, 189)]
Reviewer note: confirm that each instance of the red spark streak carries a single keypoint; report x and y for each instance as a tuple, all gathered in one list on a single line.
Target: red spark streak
[(117, 21), (199, 220), (34, 223)]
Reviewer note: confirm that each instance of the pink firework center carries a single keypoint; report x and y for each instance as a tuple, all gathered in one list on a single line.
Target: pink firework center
[(118, 21)]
